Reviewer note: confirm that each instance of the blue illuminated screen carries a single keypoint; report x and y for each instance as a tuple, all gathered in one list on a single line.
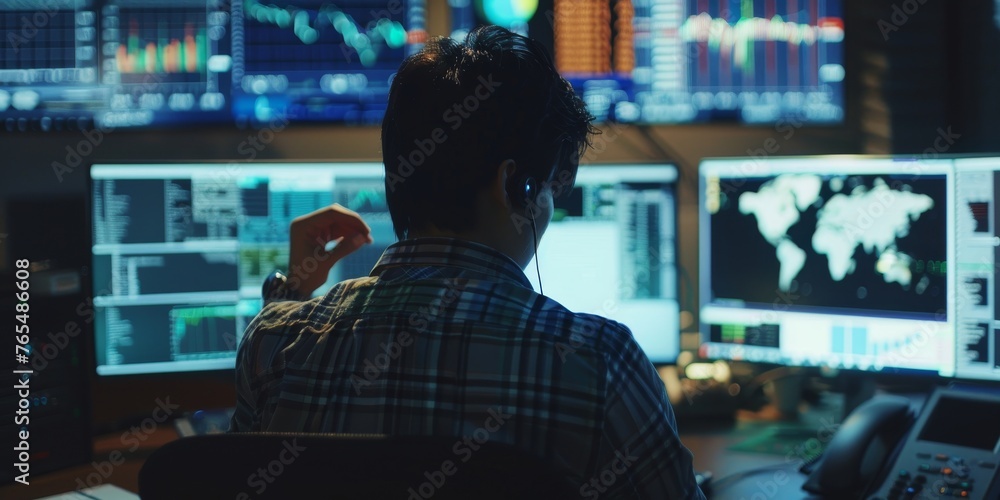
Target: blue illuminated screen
[(611, 250), (977, 254), (689, 61), (180, 252), (71, 64), (829, 261)]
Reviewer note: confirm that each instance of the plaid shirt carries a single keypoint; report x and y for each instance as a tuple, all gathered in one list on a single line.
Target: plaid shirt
[(446, 337)]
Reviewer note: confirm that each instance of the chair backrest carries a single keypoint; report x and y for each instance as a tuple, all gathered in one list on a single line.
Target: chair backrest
[(282, 465)]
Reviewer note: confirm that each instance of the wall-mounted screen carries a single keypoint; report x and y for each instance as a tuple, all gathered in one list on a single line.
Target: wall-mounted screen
[(71, 64), (689, 61)]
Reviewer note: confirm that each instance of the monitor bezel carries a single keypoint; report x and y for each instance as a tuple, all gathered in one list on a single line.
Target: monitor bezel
[(958, 160), (945, 163), (89, 284), (849, 91)]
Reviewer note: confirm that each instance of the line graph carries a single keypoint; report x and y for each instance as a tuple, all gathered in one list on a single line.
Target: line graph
[(309, 25), (362, 195), (738, 40), (764, 44), (919, 345), (198, 332)]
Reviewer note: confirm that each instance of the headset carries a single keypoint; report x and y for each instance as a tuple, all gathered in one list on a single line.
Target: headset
[(524, 193)]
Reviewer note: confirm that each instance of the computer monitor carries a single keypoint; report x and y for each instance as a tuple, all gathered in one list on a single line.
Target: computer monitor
[(828, 261), (690, 61), (977, 212), (320, 61), (611, 250), (180, 252), (112, 64), (49, 65)]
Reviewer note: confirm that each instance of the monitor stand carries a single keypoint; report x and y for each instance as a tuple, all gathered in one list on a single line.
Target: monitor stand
[(857, 388), (785, 393)]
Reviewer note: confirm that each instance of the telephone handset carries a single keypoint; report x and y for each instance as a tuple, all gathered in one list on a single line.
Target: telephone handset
[(861, 445), (952, 450)]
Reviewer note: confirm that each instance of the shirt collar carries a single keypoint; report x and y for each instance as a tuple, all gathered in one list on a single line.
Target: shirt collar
[(451, 252)]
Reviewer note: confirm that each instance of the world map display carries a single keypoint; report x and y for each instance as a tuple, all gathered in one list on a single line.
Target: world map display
[(857, 241), (872, 218)]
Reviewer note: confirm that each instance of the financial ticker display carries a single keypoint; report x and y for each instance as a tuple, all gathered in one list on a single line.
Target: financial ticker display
[(690, 61), (71, 64)]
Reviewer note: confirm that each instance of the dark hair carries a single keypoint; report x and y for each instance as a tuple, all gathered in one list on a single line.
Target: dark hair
[(458, 109)]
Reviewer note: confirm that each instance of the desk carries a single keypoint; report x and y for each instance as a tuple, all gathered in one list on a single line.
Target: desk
[(709, 443), (776, 476)]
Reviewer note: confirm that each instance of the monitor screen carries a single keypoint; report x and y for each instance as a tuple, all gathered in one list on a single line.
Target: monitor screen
[(689, 61), (611, 250), (134, 63), (317, 60), (680, 61), (828, 261), (977, 188), (49, 64), (180, 252)]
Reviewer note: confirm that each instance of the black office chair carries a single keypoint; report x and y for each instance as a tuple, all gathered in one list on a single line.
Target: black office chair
[(293, 466)]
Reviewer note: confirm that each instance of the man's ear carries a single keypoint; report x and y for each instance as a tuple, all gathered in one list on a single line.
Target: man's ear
[(498, 189)]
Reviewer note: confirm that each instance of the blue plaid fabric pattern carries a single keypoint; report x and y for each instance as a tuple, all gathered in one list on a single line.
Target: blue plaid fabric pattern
[(447, 337)]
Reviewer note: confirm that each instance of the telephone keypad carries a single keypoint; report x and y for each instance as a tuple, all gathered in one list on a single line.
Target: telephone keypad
[(947, 453), (954, 474)]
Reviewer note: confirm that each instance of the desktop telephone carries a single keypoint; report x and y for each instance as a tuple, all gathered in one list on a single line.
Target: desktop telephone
[(951, 450)]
